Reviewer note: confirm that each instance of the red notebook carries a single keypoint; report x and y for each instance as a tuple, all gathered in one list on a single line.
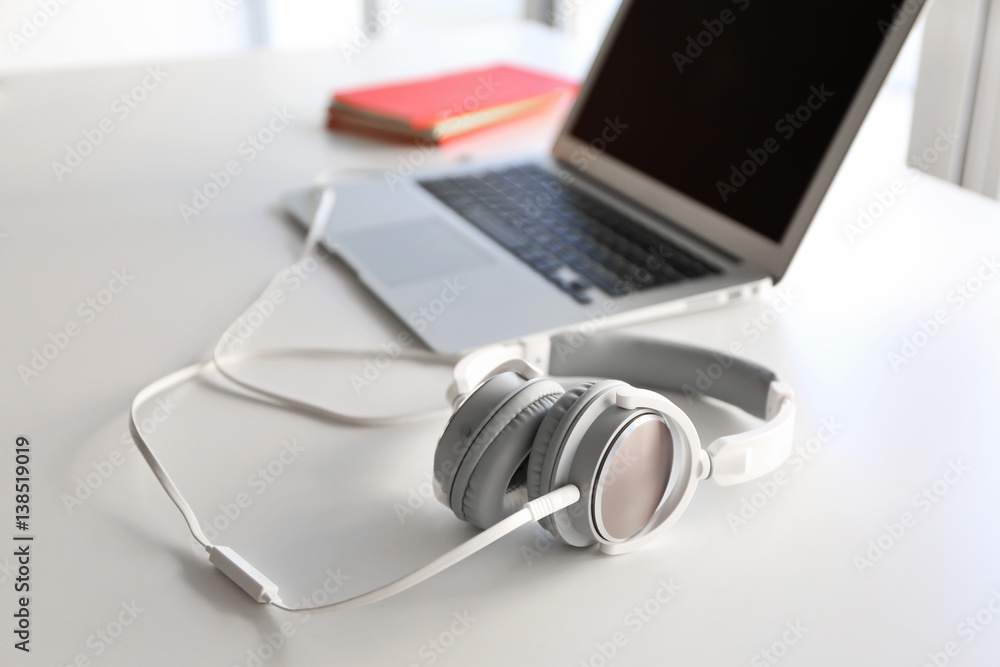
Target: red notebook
[(441, 108)]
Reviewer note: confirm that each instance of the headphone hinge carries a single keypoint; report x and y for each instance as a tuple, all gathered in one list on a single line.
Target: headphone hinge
[(777, 395), (537, 351)]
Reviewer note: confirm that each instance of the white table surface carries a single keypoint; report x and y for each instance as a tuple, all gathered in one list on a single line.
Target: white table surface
[(335, 506)]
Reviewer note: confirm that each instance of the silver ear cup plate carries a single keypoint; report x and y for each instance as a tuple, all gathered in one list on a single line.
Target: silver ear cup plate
[(590, 455), (572, 525), (633, 477)]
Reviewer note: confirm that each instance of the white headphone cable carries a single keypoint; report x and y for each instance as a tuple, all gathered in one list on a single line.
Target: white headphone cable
[(317, 229), (533, 511), (262, 589), (232, 564)]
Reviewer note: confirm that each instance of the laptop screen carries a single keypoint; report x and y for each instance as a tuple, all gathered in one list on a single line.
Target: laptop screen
[(732, 102)]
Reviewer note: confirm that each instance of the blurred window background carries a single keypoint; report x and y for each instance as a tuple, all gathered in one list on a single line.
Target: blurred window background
[(46, 34), (74, 33)]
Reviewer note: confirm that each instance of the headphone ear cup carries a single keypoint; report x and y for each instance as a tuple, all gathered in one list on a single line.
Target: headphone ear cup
[(467, 420), (486, 442), (493, 491), (540, 446)]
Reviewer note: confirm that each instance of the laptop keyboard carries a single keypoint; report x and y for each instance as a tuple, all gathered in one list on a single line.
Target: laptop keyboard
[(564, 234)]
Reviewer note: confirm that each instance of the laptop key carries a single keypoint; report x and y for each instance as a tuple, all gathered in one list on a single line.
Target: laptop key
[(572, 239)]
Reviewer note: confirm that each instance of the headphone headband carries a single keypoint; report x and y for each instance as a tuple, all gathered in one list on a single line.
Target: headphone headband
[(655, 364)]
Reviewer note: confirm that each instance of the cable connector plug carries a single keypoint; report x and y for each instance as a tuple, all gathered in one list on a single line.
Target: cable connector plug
[(551, 503), (245, 575)]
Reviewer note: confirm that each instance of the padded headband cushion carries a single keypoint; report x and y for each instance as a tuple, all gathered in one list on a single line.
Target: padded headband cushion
[(656, 364), (461, 456)]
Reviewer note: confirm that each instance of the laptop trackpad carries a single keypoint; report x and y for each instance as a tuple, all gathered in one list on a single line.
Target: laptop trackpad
[(412, 251)]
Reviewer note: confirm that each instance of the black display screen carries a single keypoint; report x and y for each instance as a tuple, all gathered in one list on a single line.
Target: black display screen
[(733, 102)]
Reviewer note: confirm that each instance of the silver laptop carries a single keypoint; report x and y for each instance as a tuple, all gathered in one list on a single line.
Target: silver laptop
[(701, 144)]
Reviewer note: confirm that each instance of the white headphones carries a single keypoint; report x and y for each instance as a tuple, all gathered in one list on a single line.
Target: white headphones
[(603, 462), (634, 455)]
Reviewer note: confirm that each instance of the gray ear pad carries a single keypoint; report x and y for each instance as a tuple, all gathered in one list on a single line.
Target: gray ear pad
[(497, 427), (468, 419), (492, 493), (540, 445), (545, 431)]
